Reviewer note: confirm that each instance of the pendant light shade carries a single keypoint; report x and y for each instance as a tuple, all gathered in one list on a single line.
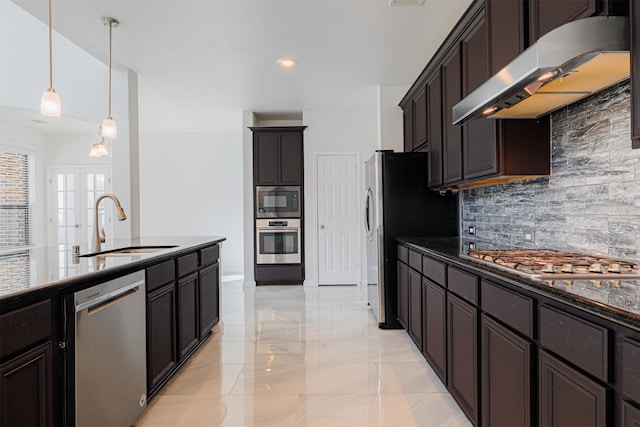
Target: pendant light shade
[(109, 129), (100, 148), (50, 102)]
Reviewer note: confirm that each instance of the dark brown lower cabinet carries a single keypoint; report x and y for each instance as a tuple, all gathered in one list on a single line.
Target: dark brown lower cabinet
[(568, 398), (434, 327), (630, 415), (26, 391), (462, 349), (188, 331), (415, 307), (161, 335), (403, 295), (506, 376), (208, 297)]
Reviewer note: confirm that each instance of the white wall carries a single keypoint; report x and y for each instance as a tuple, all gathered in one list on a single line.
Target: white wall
[(30, 141), (390, 120), (335, 130), (191, 184), (72, 149), (248, 225)]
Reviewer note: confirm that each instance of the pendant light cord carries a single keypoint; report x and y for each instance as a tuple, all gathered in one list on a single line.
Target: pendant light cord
[(110, 30), (50, 49)]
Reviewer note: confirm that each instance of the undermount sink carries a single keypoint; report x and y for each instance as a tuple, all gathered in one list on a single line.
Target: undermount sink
[(132, 250)]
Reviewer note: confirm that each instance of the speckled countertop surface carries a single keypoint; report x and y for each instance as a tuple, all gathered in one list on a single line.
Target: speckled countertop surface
[(46, 269), (619, 302)]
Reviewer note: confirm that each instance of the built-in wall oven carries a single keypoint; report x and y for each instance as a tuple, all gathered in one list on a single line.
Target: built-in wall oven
[(278, 241), (278, 202)]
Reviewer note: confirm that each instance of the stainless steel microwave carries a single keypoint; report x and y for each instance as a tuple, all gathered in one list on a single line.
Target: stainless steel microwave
[(278, 202)]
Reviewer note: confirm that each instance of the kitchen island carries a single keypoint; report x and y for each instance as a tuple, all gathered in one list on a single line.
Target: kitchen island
[(517, 351), (37, 316)]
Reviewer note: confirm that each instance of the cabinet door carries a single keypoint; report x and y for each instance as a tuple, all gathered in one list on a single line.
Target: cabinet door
[(452, 94), (415, 307), (434, 321), (290, 158), (434, 120), (506, 376), (209, 284), (408, 127), (479, 142), (188, 329), (630, 415), (161, 334), (568, 397), (546, 15), (635, 73), (420, 118), (462, 333), (265, 158), (507, 32), (403, 295), (26, 391)]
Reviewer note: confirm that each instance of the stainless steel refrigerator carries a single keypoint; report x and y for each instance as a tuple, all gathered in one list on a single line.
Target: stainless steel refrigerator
[(398, 203)]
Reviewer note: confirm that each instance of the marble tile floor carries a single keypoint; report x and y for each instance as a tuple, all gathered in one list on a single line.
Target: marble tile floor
[(303, 356)]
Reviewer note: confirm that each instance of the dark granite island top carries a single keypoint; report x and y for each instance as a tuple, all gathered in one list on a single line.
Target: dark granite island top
[(34, 273), (619, 303)]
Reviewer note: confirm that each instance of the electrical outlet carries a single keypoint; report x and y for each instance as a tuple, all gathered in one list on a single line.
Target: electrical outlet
[(472, 230), (529, 235), (472, 245)]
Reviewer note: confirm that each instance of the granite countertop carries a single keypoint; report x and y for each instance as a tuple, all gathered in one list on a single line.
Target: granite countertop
[(45, 269), (619, 302)]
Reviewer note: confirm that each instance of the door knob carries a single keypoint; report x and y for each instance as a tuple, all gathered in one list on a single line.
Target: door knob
[(321, 227), (76, 226)]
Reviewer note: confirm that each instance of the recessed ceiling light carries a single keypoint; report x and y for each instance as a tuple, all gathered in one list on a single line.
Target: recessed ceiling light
[(287, 62)]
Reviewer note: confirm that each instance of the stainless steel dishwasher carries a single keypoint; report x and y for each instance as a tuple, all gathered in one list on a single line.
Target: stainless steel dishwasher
[(110, 352)]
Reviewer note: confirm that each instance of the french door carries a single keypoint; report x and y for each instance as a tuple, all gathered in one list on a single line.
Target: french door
[(72, 194)]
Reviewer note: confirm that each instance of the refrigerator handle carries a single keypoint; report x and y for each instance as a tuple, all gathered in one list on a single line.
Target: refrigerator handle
[(367, 210)]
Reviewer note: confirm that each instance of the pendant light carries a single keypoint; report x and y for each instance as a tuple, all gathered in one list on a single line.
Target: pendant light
[(50, 102), (100, 148), (109, 129)]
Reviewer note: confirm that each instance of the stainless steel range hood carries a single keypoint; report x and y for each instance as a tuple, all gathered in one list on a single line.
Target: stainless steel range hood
[(563, 66)]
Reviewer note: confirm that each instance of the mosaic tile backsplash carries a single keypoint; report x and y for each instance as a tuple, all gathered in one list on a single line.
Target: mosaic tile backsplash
[(591, 201)]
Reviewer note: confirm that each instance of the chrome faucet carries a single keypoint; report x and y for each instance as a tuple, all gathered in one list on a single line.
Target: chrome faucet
[(99, 237)]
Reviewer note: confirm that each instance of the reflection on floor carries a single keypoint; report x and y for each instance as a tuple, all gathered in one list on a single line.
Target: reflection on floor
[(303, 356)]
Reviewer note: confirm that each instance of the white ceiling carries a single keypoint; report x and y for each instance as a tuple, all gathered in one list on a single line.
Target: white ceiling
[(202, 62)]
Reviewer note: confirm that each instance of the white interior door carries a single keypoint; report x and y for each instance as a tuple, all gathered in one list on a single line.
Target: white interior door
[(338, 226), (72, 194)]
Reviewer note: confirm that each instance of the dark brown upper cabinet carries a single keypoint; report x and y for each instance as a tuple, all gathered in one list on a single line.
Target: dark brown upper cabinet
[(451, 95), (434, 124), (278, 155), (635, 74), (547, 15), (420, 119), (407, 117), (507, 32)]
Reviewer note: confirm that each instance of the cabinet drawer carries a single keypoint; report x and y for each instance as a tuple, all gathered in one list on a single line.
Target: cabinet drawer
[(630, 415), (631, 369), (578, 341), (434, 270), (514, 310), (24, 327), (415, 260), (463, 284), (209, 255), (403, 254), (160, 274), (187, 264)]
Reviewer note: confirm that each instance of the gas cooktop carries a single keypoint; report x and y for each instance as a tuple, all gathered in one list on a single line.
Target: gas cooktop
[(550, 264)]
